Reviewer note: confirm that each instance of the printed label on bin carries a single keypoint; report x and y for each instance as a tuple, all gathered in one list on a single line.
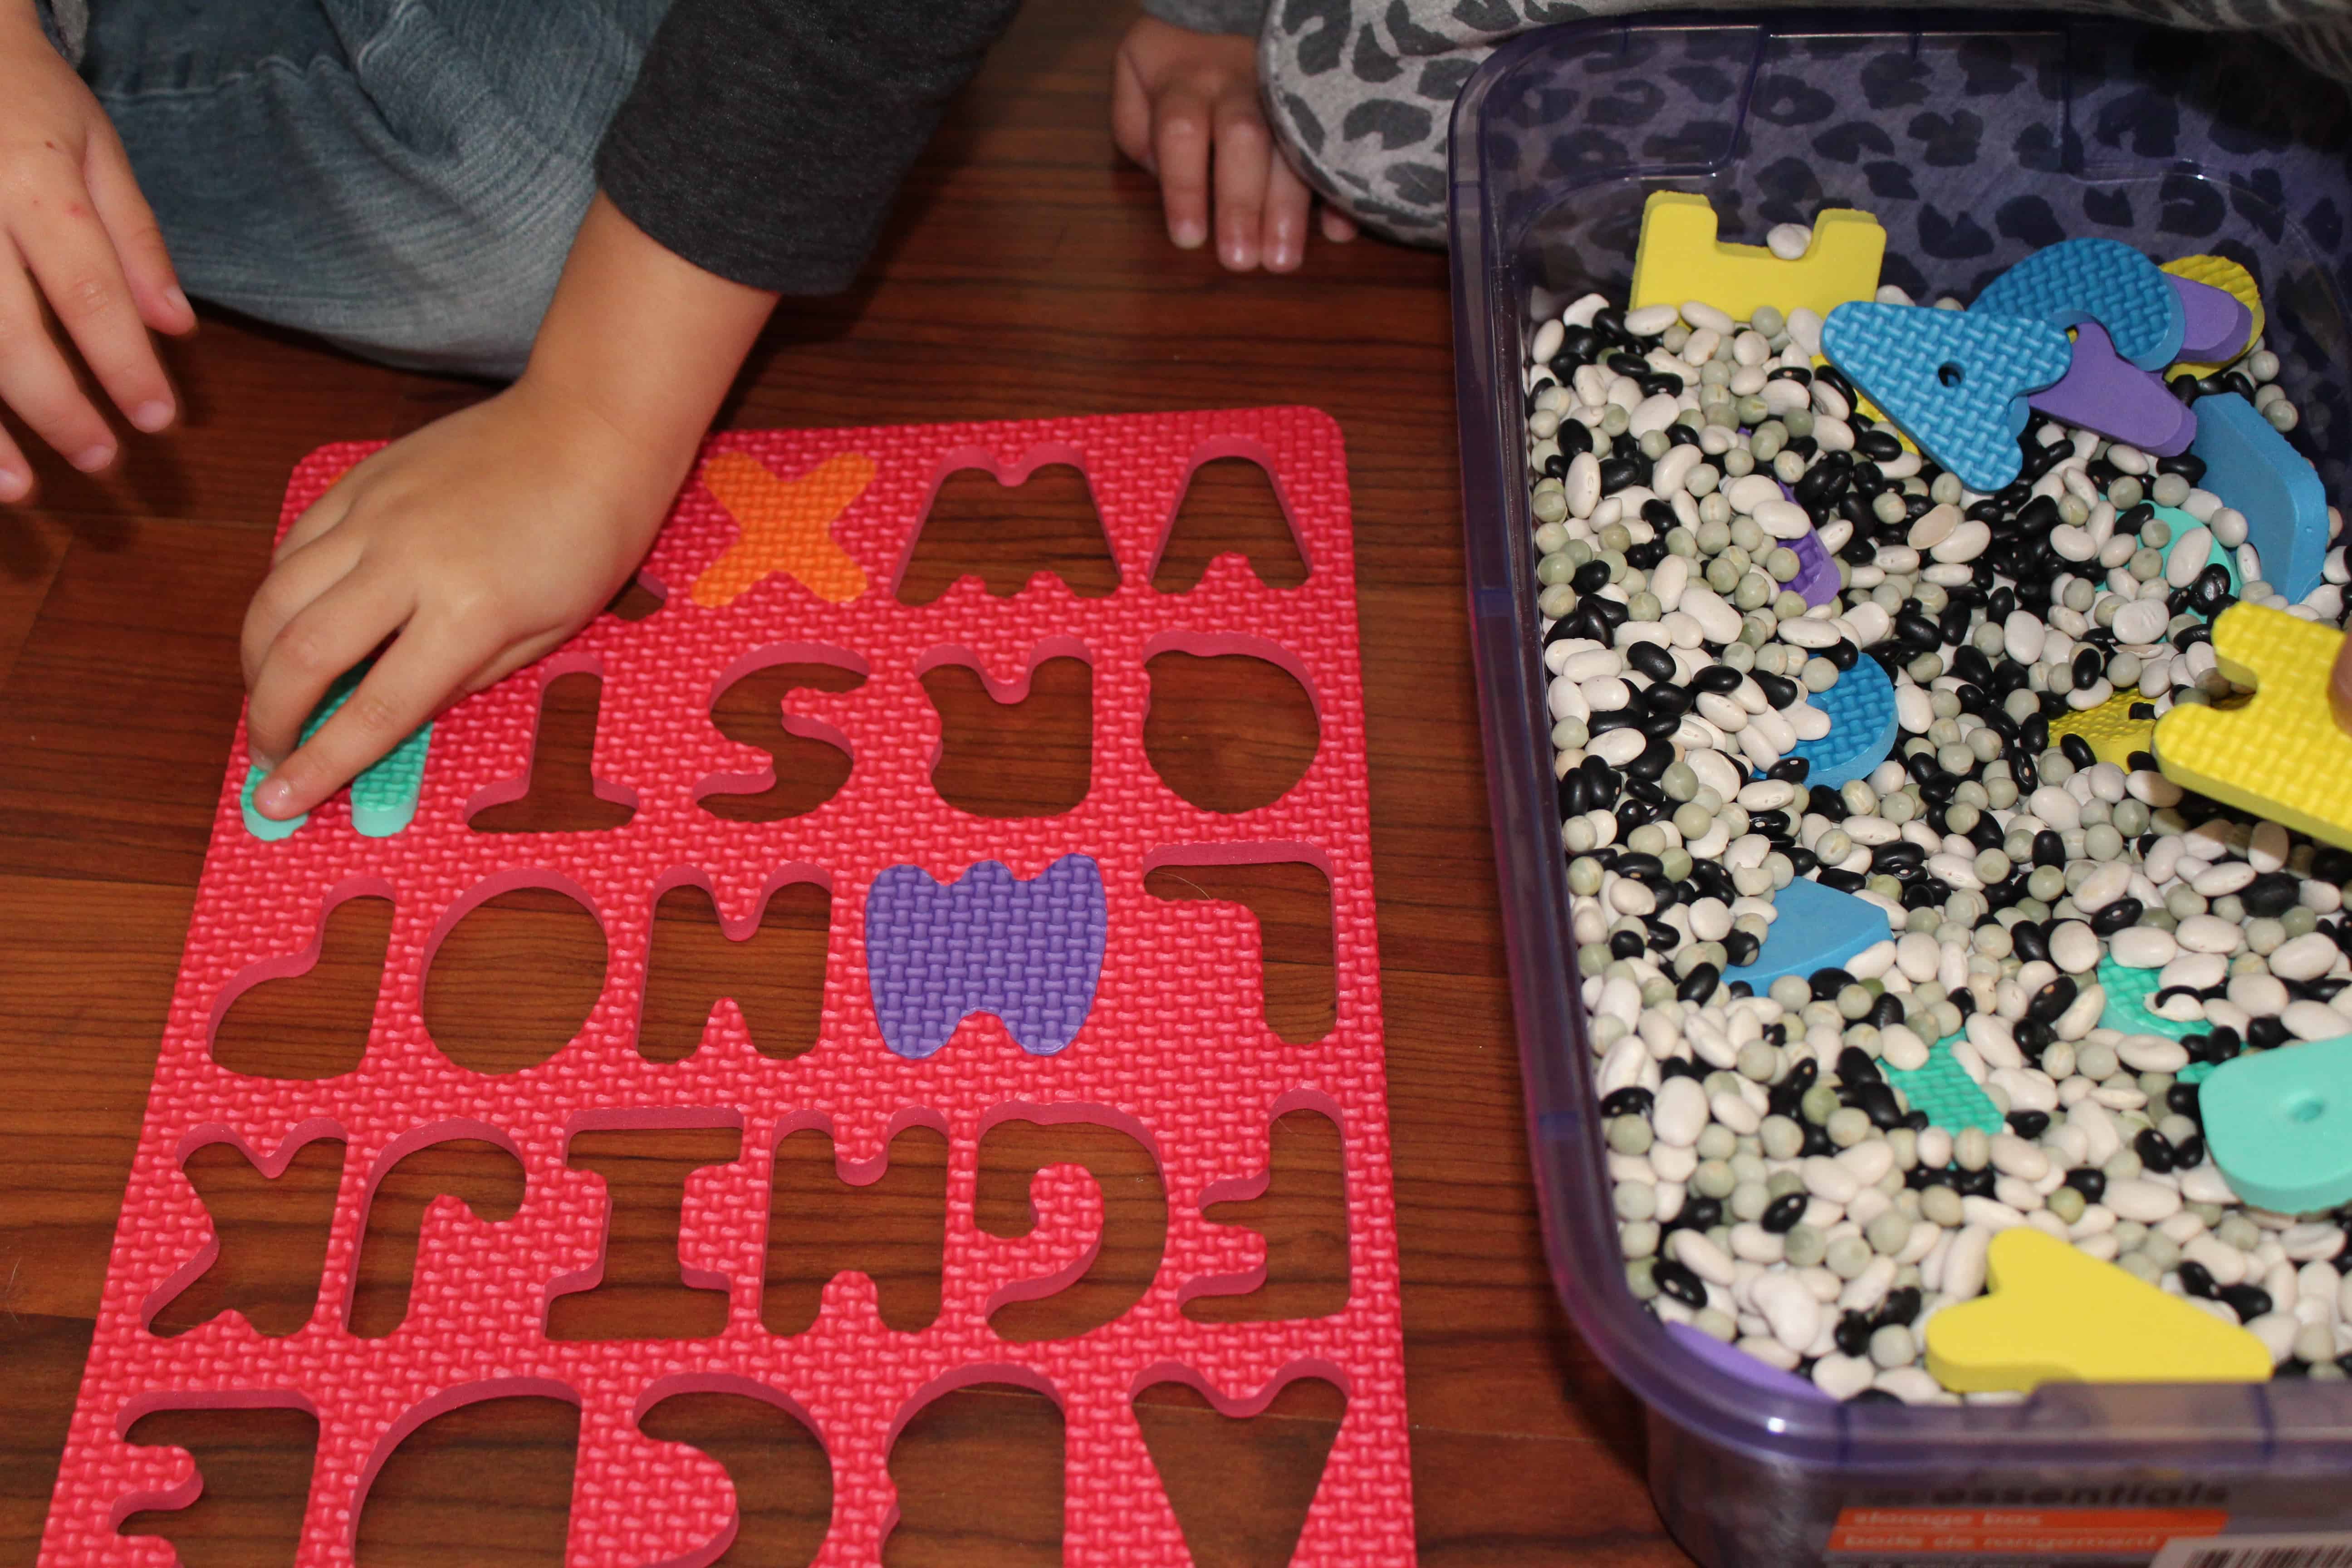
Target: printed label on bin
[(2331, 1549), (1943, 1535)]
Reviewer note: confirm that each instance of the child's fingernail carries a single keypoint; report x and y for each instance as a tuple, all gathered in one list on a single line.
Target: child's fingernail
[(15, 484), (275, 798), (92, 459), (177, 300), (153, 415), (1189, 236)]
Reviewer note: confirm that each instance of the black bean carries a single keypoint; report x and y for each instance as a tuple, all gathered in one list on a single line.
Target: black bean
[(2075, 748), (2155, 1149), (1876, 1100), (1699, 984), (2089, 1181), (1630, 1100), (1651, 660), (2121, 915), (2271, 894), (2196, 1278), (2249, 1302), (2045, 1005), (1677, 1280), (1856, 1067), (1900, 1307), (1782, 1212), (2028, 1124)]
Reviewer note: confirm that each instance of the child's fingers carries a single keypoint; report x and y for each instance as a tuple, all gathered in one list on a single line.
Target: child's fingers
[(2339, 686), (326, 638), (1287, 204), (1130, 113), (1245, 157), (1337, 226), (298, 580), (16, 474), (73, 259), (1179, 146), (33, 380), (406, 688), (138, 239), (319, 518)]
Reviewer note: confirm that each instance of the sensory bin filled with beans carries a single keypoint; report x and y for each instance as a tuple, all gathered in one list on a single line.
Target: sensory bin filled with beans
[(1811, 1170)]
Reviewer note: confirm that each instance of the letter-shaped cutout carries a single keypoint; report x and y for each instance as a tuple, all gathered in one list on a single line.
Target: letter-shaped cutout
[(2217, 324), (1863, 727), (2280, 754), (2120, 401), (2092, 280), (1954, 380), (2251, 468), (1815, 927), (383, 797), (2216, 272), (787, 527), (2056, 1315), (2280, 1125), (1678, 257), (1031, 953)]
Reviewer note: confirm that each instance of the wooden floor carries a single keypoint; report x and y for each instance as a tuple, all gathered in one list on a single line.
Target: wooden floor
[(1026, 275)]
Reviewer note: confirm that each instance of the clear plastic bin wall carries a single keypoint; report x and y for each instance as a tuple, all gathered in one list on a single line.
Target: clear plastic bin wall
[(1975, 139)]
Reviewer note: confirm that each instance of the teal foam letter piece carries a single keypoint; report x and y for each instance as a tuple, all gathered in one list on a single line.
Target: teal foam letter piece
[(383, 797), (1955, 381), (2279, 1124)]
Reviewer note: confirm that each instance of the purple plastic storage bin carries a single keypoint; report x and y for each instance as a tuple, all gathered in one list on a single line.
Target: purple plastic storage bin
[(1975, 138)]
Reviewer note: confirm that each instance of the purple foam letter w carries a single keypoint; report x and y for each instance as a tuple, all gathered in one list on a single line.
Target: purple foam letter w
[(1031, 953)]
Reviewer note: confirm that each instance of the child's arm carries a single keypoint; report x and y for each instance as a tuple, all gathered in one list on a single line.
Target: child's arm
[(483, 541), (1184, 104), (74, 230), (757, 154)]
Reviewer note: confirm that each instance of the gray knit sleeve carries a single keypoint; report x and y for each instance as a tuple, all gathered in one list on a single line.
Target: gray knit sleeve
[(67, 22), (1211, 16), (764, 140)]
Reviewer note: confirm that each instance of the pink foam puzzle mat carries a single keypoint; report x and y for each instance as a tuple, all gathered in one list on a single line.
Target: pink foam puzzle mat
[(978, 971)]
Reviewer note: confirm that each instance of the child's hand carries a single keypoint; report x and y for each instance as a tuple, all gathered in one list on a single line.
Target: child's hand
[(482, 541), (475, 545), (74, 230), (1186, 106)]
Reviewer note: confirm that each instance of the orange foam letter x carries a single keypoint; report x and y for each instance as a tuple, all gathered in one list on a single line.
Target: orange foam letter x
[(786, 527)]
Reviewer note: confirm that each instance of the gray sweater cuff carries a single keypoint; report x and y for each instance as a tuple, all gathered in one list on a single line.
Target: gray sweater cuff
[(764, 140), (1211, 16), (67, 22)]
